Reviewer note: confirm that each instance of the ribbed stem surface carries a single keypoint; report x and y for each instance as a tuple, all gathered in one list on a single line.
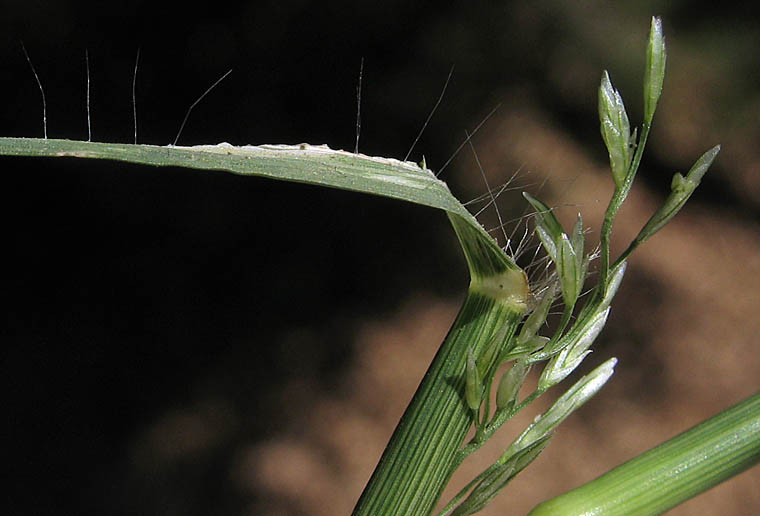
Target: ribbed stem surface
[(414, 468), (671, 473)]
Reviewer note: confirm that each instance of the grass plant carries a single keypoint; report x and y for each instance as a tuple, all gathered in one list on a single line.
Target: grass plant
[(502, 321)]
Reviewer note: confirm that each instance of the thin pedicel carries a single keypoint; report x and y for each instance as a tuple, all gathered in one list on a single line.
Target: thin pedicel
[(220, 79), (134, 98), (42, 92), (87, 68), (359, 106), (430, 116)]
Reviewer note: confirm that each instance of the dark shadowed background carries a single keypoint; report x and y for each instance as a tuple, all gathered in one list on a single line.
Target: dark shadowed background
[(194, 343)]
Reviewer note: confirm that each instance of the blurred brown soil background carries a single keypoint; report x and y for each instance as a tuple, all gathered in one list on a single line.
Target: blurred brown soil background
[(686, 345), (198, 343)]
